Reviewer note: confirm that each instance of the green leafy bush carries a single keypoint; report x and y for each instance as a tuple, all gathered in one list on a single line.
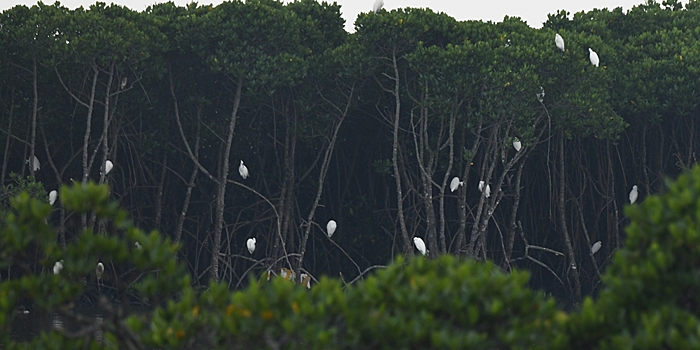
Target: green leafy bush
[(651, 299)]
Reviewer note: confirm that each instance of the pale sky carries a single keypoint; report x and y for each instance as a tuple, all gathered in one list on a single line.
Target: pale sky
[(534, 12)]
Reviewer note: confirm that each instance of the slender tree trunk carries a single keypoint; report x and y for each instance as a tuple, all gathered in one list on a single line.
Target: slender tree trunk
[(450, 142), (395, 158), (190, 183), (35, 111), (6, 155), (286, 200), (86, 137), (514, 214), (221, 188), (159, 193), (573, 266)]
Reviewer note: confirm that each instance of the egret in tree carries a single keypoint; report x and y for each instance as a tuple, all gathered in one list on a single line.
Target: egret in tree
[(53, 195), (138, 245), (57, 267), (330, 227), (36, 165), (99, 271), (559, 41), (486, 190), (634, 194), (420, 245), (378, 4), (596, 247), (594, 57), (454, 185), (517, 145), (123, 85), (251, 245), (243, 170), (540, 95), (305, 280), (108, 166)]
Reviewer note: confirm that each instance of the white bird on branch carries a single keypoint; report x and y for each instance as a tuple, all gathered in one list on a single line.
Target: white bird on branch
[(455, 184), (330, 227), (251, 245), (243, 170), (559, 41)]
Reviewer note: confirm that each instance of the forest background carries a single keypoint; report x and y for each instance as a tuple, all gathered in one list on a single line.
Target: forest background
[(367, 129)]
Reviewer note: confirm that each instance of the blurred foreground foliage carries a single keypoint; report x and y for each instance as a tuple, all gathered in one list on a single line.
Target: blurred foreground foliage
[(650, 298)]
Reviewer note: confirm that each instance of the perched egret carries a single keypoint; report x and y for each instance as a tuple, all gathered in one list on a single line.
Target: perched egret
[(138, 245), (486, 190), (251, 245), (330, 227), (123, 85), (634, 194), (594, 57), (52, 196), (540, 95), (108, 166), (378, 4), (559, 41), (420, 245), (99, 271), (596, 247), (305, 280), (287, 274), (57, 267), (243, 170), (517, 145), (454, 185), (36, 165)]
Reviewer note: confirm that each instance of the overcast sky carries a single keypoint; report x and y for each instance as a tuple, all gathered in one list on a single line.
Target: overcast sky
[(534, 12)]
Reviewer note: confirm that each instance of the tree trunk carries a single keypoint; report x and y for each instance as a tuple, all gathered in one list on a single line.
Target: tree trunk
[(572, 270), (221, 188), (395, 158)]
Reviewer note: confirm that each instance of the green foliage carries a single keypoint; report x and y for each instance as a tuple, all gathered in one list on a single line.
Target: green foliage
[(21, 184), (651, 298), (445, 303), (24, 231)]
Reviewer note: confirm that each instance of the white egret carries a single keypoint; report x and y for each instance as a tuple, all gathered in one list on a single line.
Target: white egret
[(251, 245), (517, 145), (596, 247), (52, 196), (634, 194), (594, 57), (559, 41), (420, 245), (330, 227), (138, 245), (378, 4), (99, 271), (36, 165), (243, 170), (123, 85), (108, 166), (540, 95), (57, 267), (486, 190), (305, 280), (287, 274), (454, 185)]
